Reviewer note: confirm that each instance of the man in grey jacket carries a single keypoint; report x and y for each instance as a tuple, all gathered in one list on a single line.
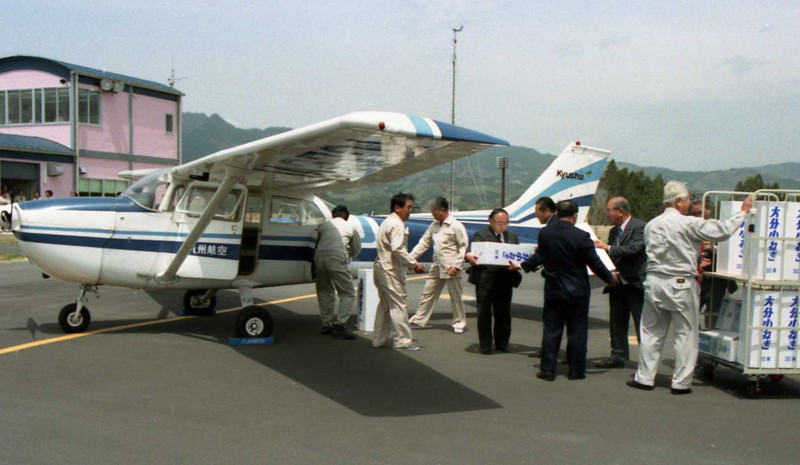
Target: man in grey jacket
[(337, 241)]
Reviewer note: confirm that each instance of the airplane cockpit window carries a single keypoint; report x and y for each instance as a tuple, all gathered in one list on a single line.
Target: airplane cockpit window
[(284, 210), (314, 215), (149, 190), (197, 197)]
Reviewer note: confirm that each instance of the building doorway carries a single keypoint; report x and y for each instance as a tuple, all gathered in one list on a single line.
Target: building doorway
[(18, 177)]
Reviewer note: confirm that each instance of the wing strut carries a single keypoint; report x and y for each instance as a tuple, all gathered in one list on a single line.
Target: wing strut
[(169, 275)]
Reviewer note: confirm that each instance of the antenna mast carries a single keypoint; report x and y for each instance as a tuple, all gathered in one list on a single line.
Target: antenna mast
[(453, 116), (171, 80)]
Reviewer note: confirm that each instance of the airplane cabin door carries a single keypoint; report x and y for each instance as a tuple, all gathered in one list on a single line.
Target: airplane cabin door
[(251, 233), (289, 238), (217, 253)]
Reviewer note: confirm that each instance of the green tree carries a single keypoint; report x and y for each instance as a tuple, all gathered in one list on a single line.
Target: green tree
[(643, 193), (754, 183)]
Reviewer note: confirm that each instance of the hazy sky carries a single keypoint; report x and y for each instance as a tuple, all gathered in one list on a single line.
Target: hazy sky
[(679, 84)]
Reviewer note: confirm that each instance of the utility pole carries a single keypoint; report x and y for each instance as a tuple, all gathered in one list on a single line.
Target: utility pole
[(502, 164), (453, 116)]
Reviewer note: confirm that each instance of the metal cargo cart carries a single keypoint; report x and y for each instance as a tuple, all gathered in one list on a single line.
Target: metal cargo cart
[(754, 329)]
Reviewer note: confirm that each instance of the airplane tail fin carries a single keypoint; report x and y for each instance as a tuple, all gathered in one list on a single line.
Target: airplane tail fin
[(573, 175)]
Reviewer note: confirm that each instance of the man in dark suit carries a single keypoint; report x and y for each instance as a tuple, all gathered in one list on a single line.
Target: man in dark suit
[(626, 249), (545, 211), (494, 286), (566, 251)]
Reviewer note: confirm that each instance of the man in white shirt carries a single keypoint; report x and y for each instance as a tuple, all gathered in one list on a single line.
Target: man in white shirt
[(672, 241), (336, 241), (449, 239), (391, 318)]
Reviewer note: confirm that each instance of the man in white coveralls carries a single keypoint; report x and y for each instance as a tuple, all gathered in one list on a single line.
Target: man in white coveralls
[(449, 239), (672, 241), (391, 264)]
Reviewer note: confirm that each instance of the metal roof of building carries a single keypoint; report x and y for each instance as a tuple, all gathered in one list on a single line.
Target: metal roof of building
[(22, 61), (30, 143)]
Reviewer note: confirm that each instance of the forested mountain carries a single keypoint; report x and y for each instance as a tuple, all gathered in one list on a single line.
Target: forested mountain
[(477, 179)]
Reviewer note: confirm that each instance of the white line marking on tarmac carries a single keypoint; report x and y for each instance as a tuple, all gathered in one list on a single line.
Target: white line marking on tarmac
[(69, 337)]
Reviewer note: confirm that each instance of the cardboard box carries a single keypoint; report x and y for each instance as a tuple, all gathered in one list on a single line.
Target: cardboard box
[(367, 300), (791, 256), (730, 253), (763, 350), (788, 354), (766, 255), (730, 316), (720, 344), (497, 253)]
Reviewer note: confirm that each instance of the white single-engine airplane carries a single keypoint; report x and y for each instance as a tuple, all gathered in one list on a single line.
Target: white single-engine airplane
[(246, 217)]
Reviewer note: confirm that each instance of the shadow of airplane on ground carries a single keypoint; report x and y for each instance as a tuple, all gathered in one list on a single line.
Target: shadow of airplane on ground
[(371, 382)]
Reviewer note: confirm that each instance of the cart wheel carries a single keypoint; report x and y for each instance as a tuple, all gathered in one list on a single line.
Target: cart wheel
[(708, 370), (776, 378), (753, 389)]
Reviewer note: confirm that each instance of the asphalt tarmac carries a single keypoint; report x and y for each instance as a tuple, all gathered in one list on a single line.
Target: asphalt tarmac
[(153, 388)]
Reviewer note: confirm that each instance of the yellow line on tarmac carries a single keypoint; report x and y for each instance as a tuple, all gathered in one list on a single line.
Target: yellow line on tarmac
[(69, 337)]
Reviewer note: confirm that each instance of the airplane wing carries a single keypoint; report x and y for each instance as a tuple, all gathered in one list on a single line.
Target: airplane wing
[(353, 150)]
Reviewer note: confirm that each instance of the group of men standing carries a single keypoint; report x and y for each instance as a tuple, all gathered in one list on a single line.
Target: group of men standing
[(654, 282)]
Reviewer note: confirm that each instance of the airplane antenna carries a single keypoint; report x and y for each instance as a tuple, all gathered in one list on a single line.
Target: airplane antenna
[(453, 114)]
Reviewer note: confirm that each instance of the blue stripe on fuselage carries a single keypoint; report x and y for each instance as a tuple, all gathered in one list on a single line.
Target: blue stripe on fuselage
[(95, 204), (202, 249)]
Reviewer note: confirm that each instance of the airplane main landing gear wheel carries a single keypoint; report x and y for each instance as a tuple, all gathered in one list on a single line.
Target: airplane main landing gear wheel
[(193, 303), (72, 321), (253, 321)]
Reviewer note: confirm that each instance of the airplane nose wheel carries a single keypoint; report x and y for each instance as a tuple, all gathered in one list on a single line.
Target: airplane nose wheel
[(72, 321), (253, 321), (195, 304)]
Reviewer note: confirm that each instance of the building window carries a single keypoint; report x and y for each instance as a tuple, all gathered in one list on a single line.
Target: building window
[(39, 106), (168, 123), (19, 106), (56, 105), (88, 106), (101, 187)]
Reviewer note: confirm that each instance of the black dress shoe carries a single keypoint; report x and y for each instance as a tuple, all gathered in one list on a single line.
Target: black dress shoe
[(486, 350), (326, 330), (576, 377), (637, 385), (680, 391), (341, 332), (503, 349), (546, 375), (610, 363)]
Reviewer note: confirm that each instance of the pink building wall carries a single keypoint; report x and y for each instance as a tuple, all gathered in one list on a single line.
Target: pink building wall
[(102, 169), (56, 132), (61, 186), (28, 79), (149, 130), (113, 133)]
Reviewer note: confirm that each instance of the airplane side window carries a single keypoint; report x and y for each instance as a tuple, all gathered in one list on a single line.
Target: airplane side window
[(253, 208), (313, 214), (198, 197), (285, 211)]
